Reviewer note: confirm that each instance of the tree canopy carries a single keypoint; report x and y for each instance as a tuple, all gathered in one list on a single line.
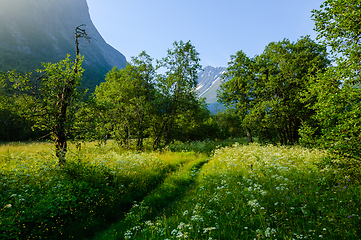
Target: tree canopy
[(128, 96), (48, 99), (267, 89), (336, 123)]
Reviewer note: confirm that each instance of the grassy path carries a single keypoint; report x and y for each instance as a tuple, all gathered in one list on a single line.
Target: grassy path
[(98, 185), (174, 188), (240, 192), (251, 192)]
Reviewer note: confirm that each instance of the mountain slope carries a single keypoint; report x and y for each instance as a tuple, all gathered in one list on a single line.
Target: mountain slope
[(209, 81), (35, 31)]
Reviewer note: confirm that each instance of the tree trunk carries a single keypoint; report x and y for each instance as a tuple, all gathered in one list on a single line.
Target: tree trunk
[(249, 135), (61, 148), (60, 132)]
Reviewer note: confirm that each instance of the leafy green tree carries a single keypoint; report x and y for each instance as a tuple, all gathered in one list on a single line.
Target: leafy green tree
[(229, 124), (128, 96), (48, 100), (237, 88), (338, 26), (337, 121), (176, 89), (194, 124), (267, 90), (13, 126)]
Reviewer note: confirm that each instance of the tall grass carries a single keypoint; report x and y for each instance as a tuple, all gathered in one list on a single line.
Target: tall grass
[(241, 192), (40, 200), (262, 192), (174, 187), (207, 146)]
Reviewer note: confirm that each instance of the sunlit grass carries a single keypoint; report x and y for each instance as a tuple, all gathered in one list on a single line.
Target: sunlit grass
[(42, 200), (262, 192), (242, 192), (207, 146), (174, 187)]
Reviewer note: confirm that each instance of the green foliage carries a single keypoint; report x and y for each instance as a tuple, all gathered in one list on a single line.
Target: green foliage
[(42, 200), (91, 121), (336, 122), (13, 126), (266, 90), (229, 124), (194, 124), (35, 101), (338, 26), (134, 104), (254, 192), (176, 90), (128, 97), (48, 101), (336, 94), (207, 146), (58, 88)]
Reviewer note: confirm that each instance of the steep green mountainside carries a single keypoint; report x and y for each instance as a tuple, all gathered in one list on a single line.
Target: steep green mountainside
[(36, 31)]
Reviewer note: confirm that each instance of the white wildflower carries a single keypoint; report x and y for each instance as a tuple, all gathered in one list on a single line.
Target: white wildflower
[(205, 230)]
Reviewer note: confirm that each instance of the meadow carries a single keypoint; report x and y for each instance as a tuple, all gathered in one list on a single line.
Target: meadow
[(183, 192)]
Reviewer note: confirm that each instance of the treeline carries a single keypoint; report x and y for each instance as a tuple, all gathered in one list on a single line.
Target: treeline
[(294, 92), (133, 104), (136, 103)]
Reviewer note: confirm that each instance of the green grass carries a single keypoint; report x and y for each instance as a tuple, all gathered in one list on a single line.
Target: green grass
[(260, 192), (235, 192), (207, 147), (99, 184)]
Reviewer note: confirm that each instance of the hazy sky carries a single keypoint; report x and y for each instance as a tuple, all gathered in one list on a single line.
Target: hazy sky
[(216, 28)]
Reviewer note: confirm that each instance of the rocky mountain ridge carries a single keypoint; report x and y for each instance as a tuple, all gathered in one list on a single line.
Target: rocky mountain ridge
[(209, 81)]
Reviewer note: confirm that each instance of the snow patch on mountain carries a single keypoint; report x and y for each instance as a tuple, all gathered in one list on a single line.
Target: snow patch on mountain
[(209, 81)]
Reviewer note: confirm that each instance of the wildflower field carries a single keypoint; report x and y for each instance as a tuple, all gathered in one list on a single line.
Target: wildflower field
[(40, 200), (238, 192)]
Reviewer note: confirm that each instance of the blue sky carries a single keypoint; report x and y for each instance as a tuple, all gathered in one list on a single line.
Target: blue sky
[(217, 29)]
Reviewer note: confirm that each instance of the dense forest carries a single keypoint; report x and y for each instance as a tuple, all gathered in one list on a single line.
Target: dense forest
[(292, 93)]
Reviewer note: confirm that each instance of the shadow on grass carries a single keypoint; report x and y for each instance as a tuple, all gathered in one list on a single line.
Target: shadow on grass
[(173, 189)]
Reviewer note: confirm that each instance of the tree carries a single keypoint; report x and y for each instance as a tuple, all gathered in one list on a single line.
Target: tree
[(50, 98), (49, 102), (337, 93), (267, 90), (338, 26), (236, 90), (13, 126), (128, 97), (176, 89), (229, 124), (194, 124), (336, 124)]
